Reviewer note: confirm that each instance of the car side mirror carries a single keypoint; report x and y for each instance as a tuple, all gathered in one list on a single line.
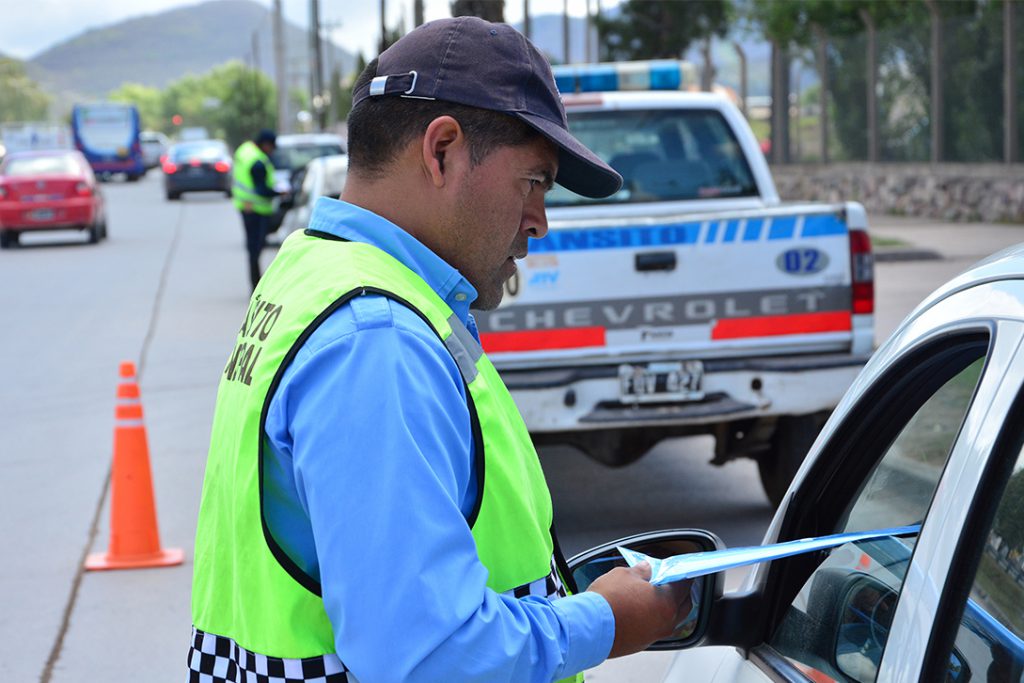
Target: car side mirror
[(586, 567)]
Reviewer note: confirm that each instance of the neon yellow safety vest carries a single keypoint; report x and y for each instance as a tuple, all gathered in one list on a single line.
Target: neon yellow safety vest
[(243, 189), (245, 588)]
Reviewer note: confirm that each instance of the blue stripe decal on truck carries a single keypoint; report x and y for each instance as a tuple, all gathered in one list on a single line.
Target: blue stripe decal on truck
[(823, 226), (782, 228)]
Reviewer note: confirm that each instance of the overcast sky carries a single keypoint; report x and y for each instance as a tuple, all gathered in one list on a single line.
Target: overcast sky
[(28, 27)]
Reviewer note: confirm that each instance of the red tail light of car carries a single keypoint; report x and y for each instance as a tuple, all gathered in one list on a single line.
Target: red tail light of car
[(170, 167), (222, 166), (82, 189)]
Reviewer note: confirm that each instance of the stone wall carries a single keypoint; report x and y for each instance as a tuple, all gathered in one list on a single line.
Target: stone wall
[(958, 192)]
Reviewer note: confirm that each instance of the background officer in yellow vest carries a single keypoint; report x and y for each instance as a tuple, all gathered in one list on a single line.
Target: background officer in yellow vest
[(253, 194), (373, 508)]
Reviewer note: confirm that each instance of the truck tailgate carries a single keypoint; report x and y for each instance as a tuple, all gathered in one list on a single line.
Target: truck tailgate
[(737, 283)]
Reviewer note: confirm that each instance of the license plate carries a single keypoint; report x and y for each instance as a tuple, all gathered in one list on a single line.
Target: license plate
[(655, 382), (40, 215)]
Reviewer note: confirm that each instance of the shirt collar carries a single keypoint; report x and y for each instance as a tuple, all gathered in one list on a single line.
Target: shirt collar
[(357, 224)]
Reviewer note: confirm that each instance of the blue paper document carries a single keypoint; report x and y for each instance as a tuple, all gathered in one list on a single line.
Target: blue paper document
[(693, 565)]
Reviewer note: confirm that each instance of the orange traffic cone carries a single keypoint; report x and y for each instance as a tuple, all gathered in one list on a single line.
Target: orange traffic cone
[(134, 539)]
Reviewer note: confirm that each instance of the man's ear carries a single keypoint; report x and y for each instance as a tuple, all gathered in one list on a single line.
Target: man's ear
[(444, 149)]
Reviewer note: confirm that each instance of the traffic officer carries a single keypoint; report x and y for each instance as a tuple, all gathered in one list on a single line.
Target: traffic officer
[(373, 507), (253, 194)]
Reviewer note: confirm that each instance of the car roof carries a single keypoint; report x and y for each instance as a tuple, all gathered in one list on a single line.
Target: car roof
[(1007, 264), (298, 139)]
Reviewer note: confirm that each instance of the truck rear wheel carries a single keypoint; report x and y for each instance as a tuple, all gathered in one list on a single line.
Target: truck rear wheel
[(794, 435), (615, 448)]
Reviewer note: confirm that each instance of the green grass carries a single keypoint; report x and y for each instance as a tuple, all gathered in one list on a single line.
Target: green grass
[(1002, 593), (877, 241)]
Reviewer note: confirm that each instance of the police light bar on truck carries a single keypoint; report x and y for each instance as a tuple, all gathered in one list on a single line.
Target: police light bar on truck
[(662, 74)]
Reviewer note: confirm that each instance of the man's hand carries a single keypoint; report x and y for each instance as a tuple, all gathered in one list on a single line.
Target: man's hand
[(247, 207), (643, 613)]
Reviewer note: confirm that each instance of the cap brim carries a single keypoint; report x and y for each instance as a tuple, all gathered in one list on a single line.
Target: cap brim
[(579, 169)]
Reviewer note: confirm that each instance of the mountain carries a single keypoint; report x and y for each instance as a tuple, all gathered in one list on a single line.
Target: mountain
[(158, 48)]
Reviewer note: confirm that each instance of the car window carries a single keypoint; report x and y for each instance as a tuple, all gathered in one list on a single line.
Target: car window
[(662, 155), (199, 150), (990, 638), (837, 626), (298, 156), (42, 165)]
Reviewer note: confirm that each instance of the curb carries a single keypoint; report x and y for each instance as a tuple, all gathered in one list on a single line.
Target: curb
[(907, 254)]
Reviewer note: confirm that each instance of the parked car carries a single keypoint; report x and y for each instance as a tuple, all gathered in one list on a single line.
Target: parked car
[(931, 433), (202, 166), (49, 190), (154, 145), (292, 154), (321, 177)]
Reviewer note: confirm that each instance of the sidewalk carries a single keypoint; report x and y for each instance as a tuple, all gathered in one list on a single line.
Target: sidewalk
[(928, 239)]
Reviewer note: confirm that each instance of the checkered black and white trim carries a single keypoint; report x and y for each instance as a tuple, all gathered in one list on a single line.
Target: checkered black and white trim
[(549, 587), (216, 659)]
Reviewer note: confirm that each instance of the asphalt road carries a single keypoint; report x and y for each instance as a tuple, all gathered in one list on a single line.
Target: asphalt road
[(168, 290)]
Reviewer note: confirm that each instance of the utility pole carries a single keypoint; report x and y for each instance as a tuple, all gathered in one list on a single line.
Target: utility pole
[(526, 19), (383, 26), (316, 80), (280, 76), (565, 31), (587, 36), (417, 13)]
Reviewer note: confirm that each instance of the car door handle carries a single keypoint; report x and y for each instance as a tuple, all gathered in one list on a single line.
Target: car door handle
[(656, 260)]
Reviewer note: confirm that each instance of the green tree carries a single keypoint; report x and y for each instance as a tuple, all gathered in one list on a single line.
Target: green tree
[(22, 99), (343, 103), (230, 101), (650, 29), (1009, 523), (247, 101), (149, 102)]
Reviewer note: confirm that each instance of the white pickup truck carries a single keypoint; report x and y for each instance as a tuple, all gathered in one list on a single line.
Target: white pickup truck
[(690, 302)]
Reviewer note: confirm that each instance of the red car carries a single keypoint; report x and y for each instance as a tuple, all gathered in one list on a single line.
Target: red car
[(49, 190)]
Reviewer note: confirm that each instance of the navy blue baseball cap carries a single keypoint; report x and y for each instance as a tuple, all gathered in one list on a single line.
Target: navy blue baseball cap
[(473, 62)]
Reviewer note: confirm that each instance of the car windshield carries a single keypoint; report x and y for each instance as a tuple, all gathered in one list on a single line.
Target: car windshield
[(298, 156), (58, 164), (663, 155), (199, 150)]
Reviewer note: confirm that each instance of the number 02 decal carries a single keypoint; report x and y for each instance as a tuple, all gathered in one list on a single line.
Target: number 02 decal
[(802, 261)]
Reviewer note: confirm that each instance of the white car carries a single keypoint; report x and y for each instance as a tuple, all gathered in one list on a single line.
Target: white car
[(321, 177), (154, 145), (930, 433)]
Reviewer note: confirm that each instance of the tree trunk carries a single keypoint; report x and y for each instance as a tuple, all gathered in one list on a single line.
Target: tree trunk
[(780, 104), (707, 75), (565, 31), (1011, 105), (938, 125), (872, 84), (821, 56), (743, 76)]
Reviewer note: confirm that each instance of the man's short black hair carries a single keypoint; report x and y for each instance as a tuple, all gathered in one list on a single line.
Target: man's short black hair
[(380, 127)]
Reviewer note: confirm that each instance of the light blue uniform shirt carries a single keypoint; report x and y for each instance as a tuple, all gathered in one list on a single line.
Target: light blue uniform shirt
[(369, 482)]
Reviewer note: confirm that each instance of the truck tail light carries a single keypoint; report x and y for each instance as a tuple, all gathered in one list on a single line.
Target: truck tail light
[(862, 271), (222, 166)]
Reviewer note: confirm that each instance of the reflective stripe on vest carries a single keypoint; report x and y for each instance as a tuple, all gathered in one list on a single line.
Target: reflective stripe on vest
[(243, 188), (245, 587)]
